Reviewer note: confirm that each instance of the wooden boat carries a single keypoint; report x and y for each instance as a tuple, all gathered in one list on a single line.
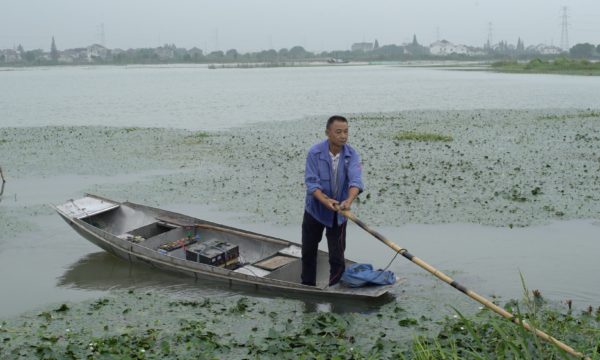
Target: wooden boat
[(178, 243)]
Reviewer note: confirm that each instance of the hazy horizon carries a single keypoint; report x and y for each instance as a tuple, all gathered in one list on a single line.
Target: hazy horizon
[(269, 24)]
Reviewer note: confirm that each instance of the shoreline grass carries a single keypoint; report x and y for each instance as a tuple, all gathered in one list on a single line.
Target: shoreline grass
[(560, 65)]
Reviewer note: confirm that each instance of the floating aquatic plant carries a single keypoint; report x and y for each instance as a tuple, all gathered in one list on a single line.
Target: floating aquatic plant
[(421, 136), (577, 115)]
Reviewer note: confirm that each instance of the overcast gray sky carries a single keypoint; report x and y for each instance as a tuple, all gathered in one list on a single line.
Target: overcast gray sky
[(249, 25)]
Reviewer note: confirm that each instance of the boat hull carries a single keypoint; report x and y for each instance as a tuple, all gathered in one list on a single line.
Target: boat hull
[(137, 253)]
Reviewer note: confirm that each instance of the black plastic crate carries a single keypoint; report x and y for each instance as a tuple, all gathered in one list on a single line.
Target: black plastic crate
[(230, 251), (215, 253)]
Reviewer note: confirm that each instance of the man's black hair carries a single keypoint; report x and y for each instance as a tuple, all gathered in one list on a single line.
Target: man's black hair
[(335, 118)]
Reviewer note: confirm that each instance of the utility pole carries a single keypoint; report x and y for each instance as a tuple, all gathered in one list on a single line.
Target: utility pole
[(564, 34), (437, 34)]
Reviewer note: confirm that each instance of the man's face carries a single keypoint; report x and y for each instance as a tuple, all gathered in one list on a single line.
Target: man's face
[(337, 133)]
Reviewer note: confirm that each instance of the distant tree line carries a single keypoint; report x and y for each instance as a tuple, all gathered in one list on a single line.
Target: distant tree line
[(585, 51), (169, 53)]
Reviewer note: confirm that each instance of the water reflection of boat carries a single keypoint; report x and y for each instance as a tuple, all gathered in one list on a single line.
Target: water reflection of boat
[(181, 244), (103, 271)]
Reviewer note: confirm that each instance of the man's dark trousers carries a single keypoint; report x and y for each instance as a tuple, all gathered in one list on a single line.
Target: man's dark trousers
[(312, 232)]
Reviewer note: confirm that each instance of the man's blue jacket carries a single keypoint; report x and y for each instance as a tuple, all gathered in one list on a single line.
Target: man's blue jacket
[(318, 175)]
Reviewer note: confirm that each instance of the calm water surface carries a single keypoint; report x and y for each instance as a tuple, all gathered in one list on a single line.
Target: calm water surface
[(51, 263), (196, 97)]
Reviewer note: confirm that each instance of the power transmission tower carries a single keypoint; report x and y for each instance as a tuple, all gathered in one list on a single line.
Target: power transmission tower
[(101, 35), (490, 38), (564, 34), (217, 39)]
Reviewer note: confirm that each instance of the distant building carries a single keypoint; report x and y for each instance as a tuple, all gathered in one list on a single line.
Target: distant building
[(543, 49), (445, 47), (476, 51), (362, 46), (10, 56), (166, 52), (97, 52), (70, 56)]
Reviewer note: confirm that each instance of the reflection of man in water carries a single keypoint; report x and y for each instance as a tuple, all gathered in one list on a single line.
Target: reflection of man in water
[(333, 177)]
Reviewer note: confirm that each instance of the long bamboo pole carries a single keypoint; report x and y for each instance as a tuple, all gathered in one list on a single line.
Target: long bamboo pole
[(473, 295)]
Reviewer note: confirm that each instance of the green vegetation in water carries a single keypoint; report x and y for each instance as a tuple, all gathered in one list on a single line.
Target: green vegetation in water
[(486, 336), (577, 115), (197, 138), (375, 117), (560, 65), (136, 326), (421, 136)]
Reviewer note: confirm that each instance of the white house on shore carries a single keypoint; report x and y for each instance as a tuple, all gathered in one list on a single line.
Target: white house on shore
[(97, 52), (445, 47), (10, 56), (362, 46), (545, 49), (70, 56)]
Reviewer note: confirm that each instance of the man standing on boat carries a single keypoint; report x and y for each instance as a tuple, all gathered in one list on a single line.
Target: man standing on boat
[(333, 178)]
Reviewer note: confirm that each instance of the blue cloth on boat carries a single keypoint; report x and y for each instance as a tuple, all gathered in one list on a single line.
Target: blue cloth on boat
[(357, 275)]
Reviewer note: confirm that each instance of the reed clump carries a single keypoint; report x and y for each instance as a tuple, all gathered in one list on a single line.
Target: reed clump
[(486, 336), (197, 137), (421, 136)]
